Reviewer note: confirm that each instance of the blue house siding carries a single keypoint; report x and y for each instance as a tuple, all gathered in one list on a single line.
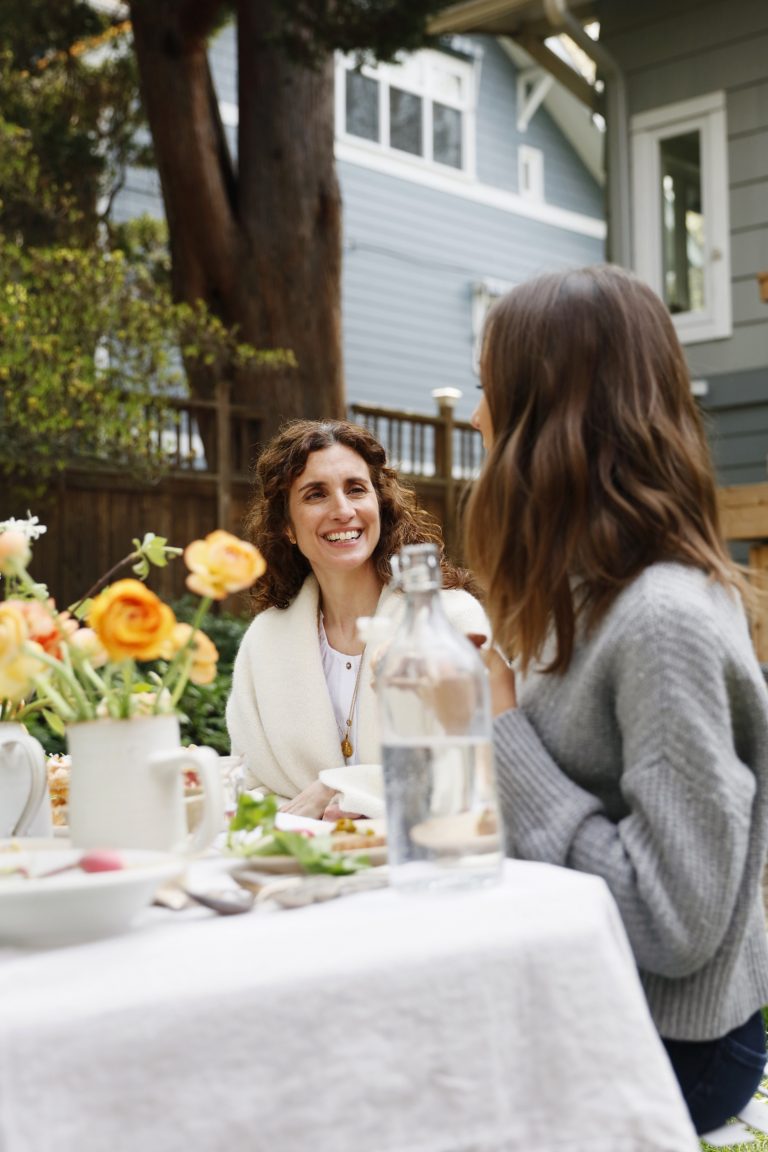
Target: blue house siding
[(411, 256), (566, 182), (676, 52)]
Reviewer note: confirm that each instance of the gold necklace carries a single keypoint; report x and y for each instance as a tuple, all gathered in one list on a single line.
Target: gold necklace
[(346, 744), (347, 748)]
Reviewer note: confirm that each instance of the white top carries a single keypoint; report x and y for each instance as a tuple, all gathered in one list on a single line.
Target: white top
[(279, 714), (341, 672), (508, 1019)]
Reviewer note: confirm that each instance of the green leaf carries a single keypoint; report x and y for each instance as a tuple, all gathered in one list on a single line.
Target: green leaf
[(54, 722), (252, 813)]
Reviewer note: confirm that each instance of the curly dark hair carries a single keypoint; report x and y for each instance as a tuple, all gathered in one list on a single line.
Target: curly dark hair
[(267, 520)]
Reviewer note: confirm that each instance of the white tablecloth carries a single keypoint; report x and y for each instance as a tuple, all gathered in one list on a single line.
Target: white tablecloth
[(504, 1019)]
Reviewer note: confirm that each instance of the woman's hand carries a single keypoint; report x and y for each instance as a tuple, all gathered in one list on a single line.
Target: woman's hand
[(312, 801), (500, 676), (334, 813), (502, 682)]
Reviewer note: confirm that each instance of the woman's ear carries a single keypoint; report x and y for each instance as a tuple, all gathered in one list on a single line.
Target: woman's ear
[(290, 535)]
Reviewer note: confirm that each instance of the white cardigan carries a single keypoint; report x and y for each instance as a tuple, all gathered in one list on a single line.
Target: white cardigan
[(280, 716)]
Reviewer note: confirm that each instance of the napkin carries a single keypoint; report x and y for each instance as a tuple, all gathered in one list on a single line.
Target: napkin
[(361, 787)]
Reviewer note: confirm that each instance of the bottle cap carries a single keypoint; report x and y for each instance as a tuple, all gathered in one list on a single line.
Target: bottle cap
[(420, 567)]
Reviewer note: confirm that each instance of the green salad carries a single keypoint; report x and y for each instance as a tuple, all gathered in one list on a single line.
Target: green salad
[(252, 832)]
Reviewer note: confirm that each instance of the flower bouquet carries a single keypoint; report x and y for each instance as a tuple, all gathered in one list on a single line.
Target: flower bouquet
[(120, 652), (109, 672)]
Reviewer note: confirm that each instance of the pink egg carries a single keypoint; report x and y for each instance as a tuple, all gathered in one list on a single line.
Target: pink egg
[(101, 862)]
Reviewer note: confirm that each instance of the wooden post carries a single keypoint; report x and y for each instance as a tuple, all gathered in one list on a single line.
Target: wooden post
[(223, 455), (446, 401)]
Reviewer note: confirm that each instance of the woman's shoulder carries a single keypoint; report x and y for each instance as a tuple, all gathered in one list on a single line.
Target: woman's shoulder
[(671, 603), (465, 611), (272, 622)]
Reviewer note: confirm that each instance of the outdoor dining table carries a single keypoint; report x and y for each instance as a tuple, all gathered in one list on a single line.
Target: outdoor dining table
[(492, 1020)]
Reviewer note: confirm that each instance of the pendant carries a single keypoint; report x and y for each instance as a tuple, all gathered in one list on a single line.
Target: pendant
[(346, 748)]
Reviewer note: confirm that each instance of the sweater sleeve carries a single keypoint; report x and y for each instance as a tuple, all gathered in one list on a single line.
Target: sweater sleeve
[(674, 862), (465, 612)]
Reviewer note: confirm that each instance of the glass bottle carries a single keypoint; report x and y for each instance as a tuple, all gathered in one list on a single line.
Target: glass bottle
[(443, 827)]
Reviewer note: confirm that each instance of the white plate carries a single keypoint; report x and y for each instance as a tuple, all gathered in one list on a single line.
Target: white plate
[(74, 906), (361, 786), (290, 866)]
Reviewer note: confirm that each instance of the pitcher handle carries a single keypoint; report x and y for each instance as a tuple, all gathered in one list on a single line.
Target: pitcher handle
[(38, 781), (205, 762)]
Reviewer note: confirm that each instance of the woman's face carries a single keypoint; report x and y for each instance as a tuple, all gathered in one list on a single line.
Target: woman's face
[(481, 419), (334, 510)]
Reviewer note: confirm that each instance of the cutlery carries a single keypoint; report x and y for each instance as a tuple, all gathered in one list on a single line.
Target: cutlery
[(225, 901)]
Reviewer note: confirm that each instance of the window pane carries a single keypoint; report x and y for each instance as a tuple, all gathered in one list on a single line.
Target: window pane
[(405, 121), (446, 135), (362, 118), (683, 224)]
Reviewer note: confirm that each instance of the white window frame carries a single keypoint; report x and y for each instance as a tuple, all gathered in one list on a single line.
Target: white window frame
[(706, 114), (423, 86), (485, 293), (530, 172)]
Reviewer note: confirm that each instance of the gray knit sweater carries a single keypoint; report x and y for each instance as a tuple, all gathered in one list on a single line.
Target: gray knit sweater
[(647, 764)]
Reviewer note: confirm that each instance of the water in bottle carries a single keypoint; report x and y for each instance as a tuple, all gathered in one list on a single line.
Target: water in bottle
[(443, 828)]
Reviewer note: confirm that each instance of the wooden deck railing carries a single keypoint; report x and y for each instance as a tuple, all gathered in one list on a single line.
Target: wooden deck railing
[(208, 449)]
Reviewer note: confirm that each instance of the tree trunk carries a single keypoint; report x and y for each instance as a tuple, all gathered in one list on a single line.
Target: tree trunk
[(261, 246)]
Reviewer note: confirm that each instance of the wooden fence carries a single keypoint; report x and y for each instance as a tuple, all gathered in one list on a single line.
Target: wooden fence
[(208, 448)]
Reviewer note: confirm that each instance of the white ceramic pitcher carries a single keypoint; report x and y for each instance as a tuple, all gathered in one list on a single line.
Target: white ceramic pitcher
[(126, 786), (24, 804)]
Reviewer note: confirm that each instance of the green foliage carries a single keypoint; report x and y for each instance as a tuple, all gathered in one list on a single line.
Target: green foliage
[(377, 29), (69, 118), (203, 706), (89, 356)]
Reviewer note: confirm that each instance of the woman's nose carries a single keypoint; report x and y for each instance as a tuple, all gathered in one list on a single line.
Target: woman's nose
[(342, 507), (474, 420)]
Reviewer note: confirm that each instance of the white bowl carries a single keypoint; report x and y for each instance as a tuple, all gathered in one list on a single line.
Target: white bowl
[(361, 786), (74, 906)]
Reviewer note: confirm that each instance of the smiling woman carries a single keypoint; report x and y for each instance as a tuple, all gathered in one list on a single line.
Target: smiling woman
[(328, 516)]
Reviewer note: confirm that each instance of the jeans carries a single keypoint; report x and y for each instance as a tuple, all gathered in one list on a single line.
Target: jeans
[(718, 1077)]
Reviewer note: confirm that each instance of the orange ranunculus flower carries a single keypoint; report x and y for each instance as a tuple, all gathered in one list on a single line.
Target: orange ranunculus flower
[(203, 652), (17, 667), (131, 621), (222, 564)]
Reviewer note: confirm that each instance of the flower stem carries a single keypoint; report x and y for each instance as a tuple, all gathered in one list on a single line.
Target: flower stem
[(131, 558), (83, 708)]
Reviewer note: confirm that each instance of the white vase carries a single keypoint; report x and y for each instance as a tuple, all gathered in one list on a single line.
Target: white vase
[(126, 786), (25, 808)]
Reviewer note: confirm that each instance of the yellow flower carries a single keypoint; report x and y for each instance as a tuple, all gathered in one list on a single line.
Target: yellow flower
[(131, 621), (221, 564), (203, 651), (17, 667)]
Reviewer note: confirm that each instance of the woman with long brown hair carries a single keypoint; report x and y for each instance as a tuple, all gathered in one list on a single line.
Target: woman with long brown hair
[(328, 515), (632, 736)]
